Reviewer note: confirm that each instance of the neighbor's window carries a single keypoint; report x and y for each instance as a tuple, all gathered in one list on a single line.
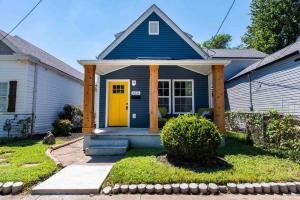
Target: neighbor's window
[(183, 96), (153, 27), (164, 94), (3, 96)]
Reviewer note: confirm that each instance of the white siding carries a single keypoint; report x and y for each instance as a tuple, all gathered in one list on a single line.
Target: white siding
[(54, 90), (17, 71)]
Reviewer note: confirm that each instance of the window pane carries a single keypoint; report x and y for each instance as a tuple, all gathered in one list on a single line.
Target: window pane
[(166, 92), (160, 84), (163, 102), (3, 103), (160, 92), (3, 89), (183, 104)]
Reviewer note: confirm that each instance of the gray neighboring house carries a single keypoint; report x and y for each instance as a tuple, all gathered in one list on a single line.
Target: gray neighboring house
[(240, 59), (34, 84), (272, 83)]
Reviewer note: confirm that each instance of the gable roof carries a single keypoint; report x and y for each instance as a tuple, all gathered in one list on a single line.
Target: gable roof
[(122, 35), (22, 47), (278, 55), (235, 53)]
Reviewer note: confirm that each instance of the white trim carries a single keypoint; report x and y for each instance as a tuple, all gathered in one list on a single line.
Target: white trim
[(106, 101), (209, 78), (136, 23), (170, 96), (7, 96), (173, 95), (149, 27), (97, 101)]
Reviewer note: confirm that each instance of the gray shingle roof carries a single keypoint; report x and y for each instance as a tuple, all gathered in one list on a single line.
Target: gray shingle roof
[(235, 53), (295, 47), (27, 48)]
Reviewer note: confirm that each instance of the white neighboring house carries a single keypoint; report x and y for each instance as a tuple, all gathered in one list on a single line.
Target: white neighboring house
[(34, 84)]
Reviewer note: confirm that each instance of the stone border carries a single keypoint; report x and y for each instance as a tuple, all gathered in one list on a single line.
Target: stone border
[(55, 147), (11, 188), (205, 189)]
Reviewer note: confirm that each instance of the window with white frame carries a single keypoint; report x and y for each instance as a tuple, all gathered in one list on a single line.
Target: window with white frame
[(164, 94), (3, 96), (183, 96), (153, 27)]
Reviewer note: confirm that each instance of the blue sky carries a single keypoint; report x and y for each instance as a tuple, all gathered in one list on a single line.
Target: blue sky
[(81, 29)]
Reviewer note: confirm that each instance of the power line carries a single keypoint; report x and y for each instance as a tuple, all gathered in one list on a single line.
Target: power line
[(224, 19), (36, 5)]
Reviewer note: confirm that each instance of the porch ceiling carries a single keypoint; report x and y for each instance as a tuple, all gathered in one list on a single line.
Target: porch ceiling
[(200, 66)]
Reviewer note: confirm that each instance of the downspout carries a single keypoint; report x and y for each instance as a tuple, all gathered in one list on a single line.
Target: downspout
[(34, 98), (250, 91)]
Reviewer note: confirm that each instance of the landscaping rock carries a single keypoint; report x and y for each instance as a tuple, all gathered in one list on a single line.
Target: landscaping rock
[(184, 188), (158, 188), (292, 187), (49, 138), (116, 189), (167, 189), (203, 188), (213, 188), (1, 185), (17, 187), (257, 188), (132, 189), (175, 188), (266, 187), (194, 188), (298, 186), (141, 188), (107, 190), (6, 188), (124, 189), (275, 188), (150, 189), (283, 188), (223, 188), (241, 188), (232, 187), (249, 188)]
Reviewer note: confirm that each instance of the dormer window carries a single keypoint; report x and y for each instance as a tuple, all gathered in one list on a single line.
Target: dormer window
[(153, 27)]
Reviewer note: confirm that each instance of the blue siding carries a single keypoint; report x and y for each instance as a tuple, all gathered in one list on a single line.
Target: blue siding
[(140, 44), (141, 74)]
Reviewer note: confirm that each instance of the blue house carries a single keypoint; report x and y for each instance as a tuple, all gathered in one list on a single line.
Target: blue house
[(271, 83), (150, 65)]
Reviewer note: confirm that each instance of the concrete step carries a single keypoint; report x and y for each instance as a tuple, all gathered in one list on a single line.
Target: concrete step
[(106, 150), (98, 141)]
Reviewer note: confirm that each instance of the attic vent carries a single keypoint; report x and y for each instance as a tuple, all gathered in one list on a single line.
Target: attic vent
[(153, 27)]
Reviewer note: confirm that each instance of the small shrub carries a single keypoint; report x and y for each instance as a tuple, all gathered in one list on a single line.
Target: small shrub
[(190, 138), (163, 111), (62, 127), (72, 113)]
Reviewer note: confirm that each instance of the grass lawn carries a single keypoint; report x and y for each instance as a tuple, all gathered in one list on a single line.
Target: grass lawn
[(246, 164), (26, 161)]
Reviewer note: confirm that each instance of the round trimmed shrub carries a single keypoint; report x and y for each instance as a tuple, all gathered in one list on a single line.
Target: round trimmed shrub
[(62, 127), (190, 138)]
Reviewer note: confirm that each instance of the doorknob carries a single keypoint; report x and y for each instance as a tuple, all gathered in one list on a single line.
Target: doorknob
[(126, 106)]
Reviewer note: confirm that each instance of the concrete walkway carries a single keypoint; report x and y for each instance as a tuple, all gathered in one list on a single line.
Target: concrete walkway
[(73, 154), (154, 197)]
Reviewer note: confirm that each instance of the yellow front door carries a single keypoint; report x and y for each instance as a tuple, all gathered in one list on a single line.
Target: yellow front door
[(117, 103)]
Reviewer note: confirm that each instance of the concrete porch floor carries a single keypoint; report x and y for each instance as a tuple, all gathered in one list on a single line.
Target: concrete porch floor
[(123, 131)]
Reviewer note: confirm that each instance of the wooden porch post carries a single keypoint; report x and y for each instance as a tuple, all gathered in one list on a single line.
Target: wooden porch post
[(153, 98), (218, 96), (88, 101)]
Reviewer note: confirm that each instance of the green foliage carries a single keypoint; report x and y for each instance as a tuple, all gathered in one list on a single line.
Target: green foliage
[(274, 24), (191, 138), (249, 164), (72, 113), (220, 41), (62, 127), (206, 112), (163, 111)]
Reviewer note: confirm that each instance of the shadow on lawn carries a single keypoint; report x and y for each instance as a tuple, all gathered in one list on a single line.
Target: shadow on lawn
[(19, 142)]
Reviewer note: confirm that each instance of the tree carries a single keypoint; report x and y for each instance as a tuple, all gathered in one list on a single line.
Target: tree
[(220, 41), (274, 24)]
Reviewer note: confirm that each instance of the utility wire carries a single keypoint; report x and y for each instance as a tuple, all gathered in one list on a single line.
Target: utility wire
[(36, 5), (224, 19)]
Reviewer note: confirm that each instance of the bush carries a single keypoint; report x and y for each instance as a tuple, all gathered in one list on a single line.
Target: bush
[(62, 127), (72, 113), (208, 113), (190, 138)]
